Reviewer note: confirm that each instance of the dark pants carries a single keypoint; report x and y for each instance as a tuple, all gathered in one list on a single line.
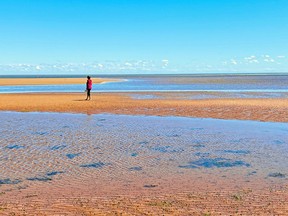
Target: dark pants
[(88, 92)]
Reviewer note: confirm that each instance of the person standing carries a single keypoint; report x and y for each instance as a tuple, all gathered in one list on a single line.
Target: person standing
[(88, 87)]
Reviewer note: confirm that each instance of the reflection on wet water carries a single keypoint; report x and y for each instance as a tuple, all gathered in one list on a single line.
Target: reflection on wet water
[(43, 147)]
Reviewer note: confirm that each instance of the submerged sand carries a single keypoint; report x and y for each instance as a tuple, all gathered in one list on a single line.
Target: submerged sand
[(73, 164)]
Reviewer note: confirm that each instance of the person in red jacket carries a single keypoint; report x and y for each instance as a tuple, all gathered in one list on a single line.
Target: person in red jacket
[(88, 87)]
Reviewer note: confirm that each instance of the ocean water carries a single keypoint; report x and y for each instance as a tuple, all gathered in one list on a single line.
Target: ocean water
[(267, 86), (70, 149)]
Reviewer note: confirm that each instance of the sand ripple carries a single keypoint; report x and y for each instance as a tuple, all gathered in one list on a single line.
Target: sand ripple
[(74, 155)]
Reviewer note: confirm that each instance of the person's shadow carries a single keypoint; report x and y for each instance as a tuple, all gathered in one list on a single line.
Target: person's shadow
[(80, 100)]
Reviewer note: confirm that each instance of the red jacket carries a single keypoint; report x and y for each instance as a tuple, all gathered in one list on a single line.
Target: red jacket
[(89, 84)]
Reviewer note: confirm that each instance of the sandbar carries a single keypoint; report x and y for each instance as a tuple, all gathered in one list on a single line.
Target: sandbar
[(50, 81), (273, 110)]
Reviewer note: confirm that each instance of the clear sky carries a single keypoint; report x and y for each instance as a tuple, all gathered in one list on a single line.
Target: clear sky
[(143, 36)]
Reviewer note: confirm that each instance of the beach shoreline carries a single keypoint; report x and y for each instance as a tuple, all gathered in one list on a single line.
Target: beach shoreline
[(201, 192)]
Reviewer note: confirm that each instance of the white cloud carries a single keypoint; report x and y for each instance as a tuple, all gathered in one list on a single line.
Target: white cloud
[(254, 61), (234, 62), (249, 63), (165, 61), (251, 59), (270, 60)]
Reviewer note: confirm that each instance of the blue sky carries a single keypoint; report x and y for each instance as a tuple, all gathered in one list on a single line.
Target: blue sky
[(143, 36)]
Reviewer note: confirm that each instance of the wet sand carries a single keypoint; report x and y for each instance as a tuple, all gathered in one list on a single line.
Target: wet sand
[(160, 104)]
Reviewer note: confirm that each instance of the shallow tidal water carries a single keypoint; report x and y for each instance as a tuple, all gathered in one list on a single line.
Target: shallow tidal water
[(66, 149), (214, 86)]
